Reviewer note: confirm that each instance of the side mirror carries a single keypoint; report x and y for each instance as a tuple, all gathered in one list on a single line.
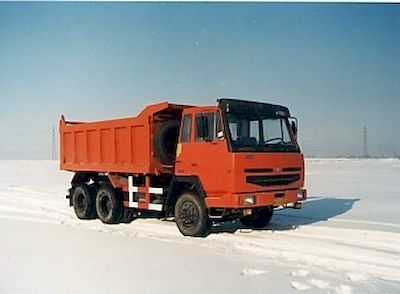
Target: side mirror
[(293, 126), (202, 128)]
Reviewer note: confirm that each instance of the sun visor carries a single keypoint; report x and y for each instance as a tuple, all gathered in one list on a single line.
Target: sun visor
[(234, 106)]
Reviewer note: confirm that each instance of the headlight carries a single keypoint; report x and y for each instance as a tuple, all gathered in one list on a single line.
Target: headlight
[(300, 194), (249, 200)]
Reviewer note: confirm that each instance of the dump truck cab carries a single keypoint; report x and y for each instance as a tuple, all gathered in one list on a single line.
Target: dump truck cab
[(245, 155)]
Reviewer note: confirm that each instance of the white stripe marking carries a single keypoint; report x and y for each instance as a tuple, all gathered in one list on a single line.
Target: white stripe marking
[(131, 190), (153, 190), (153, 206)]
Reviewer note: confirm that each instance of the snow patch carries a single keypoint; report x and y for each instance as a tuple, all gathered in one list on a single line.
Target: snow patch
[(301, 273), (355, 277), (299, 286), (252, 272), (343, 289), (318, 283)]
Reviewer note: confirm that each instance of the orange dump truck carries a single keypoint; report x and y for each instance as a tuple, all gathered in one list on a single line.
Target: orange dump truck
[(199, 164)]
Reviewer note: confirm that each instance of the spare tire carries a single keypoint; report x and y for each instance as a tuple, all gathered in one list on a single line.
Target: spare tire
[(165, 140)]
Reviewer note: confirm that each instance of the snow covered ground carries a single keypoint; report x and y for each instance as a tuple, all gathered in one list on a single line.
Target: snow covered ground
[(346, 239)]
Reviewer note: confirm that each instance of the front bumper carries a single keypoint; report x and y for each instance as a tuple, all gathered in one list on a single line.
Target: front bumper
[(261, 199)]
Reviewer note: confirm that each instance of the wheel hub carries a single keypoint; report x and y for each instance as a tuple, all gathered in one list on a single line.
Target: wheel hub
[(189, 214)]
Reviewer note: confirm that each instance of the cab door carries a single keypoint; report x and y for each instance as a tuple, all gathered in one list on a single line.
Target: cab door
[(202, 151)]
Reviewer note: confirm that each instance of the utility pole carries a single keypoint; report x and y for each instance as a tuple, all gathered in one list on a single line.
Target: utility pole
[(53, 145), (365, 153)]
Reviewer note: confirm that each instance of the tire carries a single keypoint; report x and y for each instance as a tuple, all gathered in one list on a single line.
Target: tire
[(83, 202), (259, 219), (93, 189), (165, 140), (127, 215), (108, 205), (191, 215)]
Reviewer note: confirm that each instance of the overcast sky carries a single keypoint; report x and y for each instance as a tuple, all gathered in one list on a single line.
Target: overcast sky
[(337, 67)]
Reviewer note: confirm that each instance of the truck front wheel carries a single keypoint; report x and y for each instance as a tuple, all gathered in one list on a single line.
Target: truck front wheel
[(108, 205), (191, 215), (83, 202), (259, 218)]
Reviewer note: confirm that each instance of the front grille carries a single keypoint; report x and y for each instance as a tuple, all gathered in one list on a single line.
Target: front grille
[(273, 180)]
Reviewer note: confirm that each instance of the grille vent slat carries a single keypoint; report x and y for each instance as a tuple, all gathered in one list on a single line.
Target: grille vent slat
[(290, 169), (270, 170), (258, 170), (274, 180)]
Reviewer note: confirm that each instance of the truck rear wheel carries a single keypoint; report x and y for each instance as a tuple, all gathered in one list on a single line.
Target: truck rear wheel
[(108, 205), (83, 202), (191, 215), (259, 219)]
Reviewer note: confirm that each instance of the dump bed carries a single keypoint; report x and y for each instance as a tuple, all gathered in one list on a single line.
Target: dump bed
[(118, 145)]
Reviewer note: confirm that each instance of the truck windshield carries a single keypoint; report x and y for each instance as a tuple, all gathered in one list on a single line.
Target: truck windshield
[(256, 132)]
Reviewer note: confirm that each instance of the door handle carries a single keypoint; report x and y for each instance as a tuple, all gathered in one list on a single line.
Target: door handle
[(194, 164)]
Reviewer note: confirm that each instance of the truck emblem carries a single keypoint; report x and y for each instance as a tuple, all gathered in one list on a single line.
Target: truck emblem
[(278, 169)]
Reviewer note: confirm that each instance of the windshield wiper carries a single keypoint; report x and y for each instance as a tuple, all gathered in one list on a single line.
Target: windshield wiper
[(274, 139)]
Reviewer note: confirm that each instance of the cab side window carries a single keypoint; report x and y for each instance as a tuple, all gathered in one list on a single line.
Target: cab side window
[(208, 127), (186, 128)]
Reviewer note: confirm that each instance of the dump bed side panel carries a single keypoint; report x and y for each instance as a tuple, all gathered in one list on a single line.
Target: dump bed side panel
[(108, 146), (118, 145)]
